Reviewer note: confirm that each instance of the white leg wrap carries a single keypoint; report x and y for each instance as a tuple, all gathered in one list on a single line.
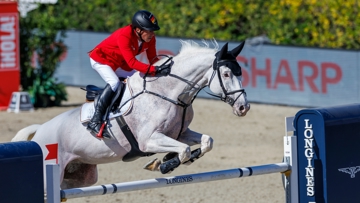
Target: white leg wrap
[(185, 155), (206, 144)]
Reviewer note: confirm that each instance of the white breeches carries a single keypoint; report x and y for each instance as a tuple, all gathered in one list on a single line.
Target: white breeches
[(108, 75)]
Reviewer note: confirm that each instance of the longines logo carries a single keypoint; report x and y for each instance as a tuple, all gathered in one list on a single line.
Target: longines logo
[(180, 179), (350, 170)]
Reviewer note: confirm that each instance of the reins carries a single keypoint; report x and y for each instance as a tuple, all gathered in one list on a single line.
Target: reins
[(179, 103)]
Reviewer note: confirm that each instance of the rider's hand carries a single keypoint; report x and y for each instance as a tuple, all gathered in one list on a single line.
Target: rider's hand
[(163, 70)]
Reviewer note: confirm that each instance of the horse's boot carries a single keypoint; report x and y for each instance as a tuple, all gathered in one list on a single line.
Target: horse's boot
[(96, 124)]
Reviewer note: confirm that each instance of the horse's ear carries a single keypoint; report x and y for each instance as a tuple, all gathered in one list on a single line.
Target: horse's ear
[(236, 51), (223, 51)]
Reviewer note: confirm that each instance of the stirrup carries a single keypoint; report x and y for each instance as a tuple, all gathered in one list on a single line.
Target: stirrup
[(98, 134), (101, 132)]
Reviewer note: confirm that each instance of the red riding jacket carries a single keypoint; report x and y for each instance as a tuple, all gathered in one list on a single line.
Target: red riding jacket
[(120, 48)]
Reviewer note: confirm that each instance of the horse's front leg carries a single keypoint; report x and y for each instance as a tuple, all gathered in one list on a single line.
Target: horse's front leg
[(160, 143), (192, 138)]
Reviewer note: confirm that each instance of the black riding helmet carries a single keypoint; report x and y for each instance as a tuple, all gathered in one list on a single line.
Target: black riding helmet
[(145, 20)]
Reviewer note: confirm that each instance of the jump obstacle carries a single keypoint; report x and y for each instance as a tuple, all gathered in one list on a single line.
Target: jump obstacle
[(320, 164), (172, 181)]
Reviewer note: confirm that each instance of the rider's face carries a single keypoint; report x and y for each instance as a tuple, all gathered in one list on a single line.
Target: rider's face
[(146, 35)]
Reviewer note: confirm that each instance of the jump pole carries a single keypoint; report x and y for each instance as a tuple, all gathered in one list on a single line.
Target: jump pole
[(171, 181)]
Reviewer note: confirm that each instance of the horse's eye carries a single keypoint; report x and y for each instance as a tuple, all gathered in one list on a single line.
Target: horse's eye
[(226, 75)]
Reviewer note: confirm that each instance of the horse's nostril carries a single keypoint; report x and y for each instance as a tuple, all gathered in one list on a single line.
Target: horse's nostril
[(242, 108)]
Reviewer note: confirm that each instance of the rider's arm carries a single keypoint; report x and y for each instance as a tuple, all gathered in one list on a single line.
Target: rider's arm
[(125, 46), (151, 51)]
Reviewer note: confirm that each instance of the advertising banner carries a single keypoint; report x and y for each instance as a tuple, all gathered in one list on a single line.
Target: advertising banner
[(272, 74), (9, 52)]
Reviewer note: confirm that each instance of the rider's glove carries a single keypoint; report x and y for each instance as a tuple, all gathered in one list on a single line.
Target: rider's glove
[(163, 70)]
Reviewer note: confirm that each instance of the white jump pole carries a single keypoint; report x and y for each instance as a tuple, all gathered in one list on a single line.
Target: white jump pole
[(173, 181)]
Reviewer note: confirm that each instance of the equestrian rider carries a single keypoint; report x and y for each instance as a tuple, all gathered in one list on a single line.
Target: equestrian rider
[(115, 57)]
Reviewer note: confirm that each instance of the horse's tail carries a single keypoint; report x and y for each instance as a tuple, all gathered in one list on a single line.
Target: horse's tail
[(26, 134)]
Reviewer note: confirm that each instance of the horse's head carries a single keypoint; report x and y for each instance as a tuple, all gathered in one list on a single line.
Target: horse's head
[(227, 84)]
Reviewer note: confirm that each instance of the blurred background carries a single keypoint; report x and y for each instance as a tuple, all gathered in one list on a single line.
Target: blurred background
[(298, 53)]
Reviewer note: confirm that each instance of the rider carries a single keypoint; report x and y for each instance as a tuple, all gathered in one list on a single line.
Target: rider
[(115, 57)]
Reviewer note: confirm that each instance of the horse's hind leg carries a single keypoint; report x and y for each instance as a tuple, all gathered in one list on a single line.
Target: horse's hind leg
[(79, 175)]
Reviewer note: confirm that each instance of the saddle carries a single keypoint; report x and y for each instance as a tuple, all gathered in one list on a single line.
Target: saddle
[(92, 91)]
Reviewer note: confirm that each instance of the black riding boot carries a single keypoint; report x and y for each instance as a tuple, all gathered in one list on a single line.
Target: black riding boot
[(95, 124)]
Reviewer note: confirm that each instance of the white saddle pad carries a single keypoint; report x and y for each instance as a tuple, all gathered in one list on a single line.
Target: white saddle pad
[(88, 108)]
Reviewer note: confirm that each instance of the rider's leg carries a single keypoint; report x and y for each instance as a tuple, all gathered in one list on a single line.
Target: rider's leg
[(96, 122), (113, 83)]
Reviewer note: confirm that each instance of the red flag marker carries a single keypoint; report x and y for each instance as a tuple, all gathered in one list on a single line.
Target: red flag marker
[(53, 152)]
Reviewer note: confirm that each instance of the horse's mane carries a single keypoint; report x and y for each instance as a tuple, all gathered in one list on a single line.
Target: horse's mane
[(190, 47)]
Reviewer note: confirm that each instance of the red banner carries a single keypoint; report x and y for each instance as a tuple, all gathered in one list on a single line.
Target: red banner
[(9, 47), (9, 52)]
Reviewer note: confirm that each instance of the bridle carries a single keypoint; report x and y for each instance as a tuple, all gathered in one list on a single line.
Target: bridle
[(227, 99)]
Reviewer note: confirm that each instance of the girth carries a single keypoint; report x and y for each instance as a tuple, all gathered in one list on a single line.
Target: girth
[(135, 152)]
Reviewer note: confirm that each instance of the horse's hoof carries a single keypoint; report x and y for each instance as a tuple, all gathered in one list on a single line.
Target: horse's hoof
[(153, 165)]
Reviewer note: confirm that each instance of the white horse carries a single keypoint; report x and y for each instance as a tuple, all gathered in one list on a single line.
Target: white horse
[(155, 115)]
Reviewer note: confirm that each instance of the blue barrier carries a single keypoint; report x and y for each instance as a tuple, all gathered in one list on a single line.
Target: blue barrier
[(21, 167), (328, 146)]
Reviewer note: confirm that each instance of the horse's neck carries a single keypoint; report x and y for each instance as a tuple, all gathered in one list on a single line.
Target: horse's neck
[(188, 76), (192, 76)]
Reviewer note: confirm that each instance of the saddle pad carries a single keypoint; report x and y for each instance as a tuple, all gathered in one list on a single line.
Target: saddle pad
[(87, 109)]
